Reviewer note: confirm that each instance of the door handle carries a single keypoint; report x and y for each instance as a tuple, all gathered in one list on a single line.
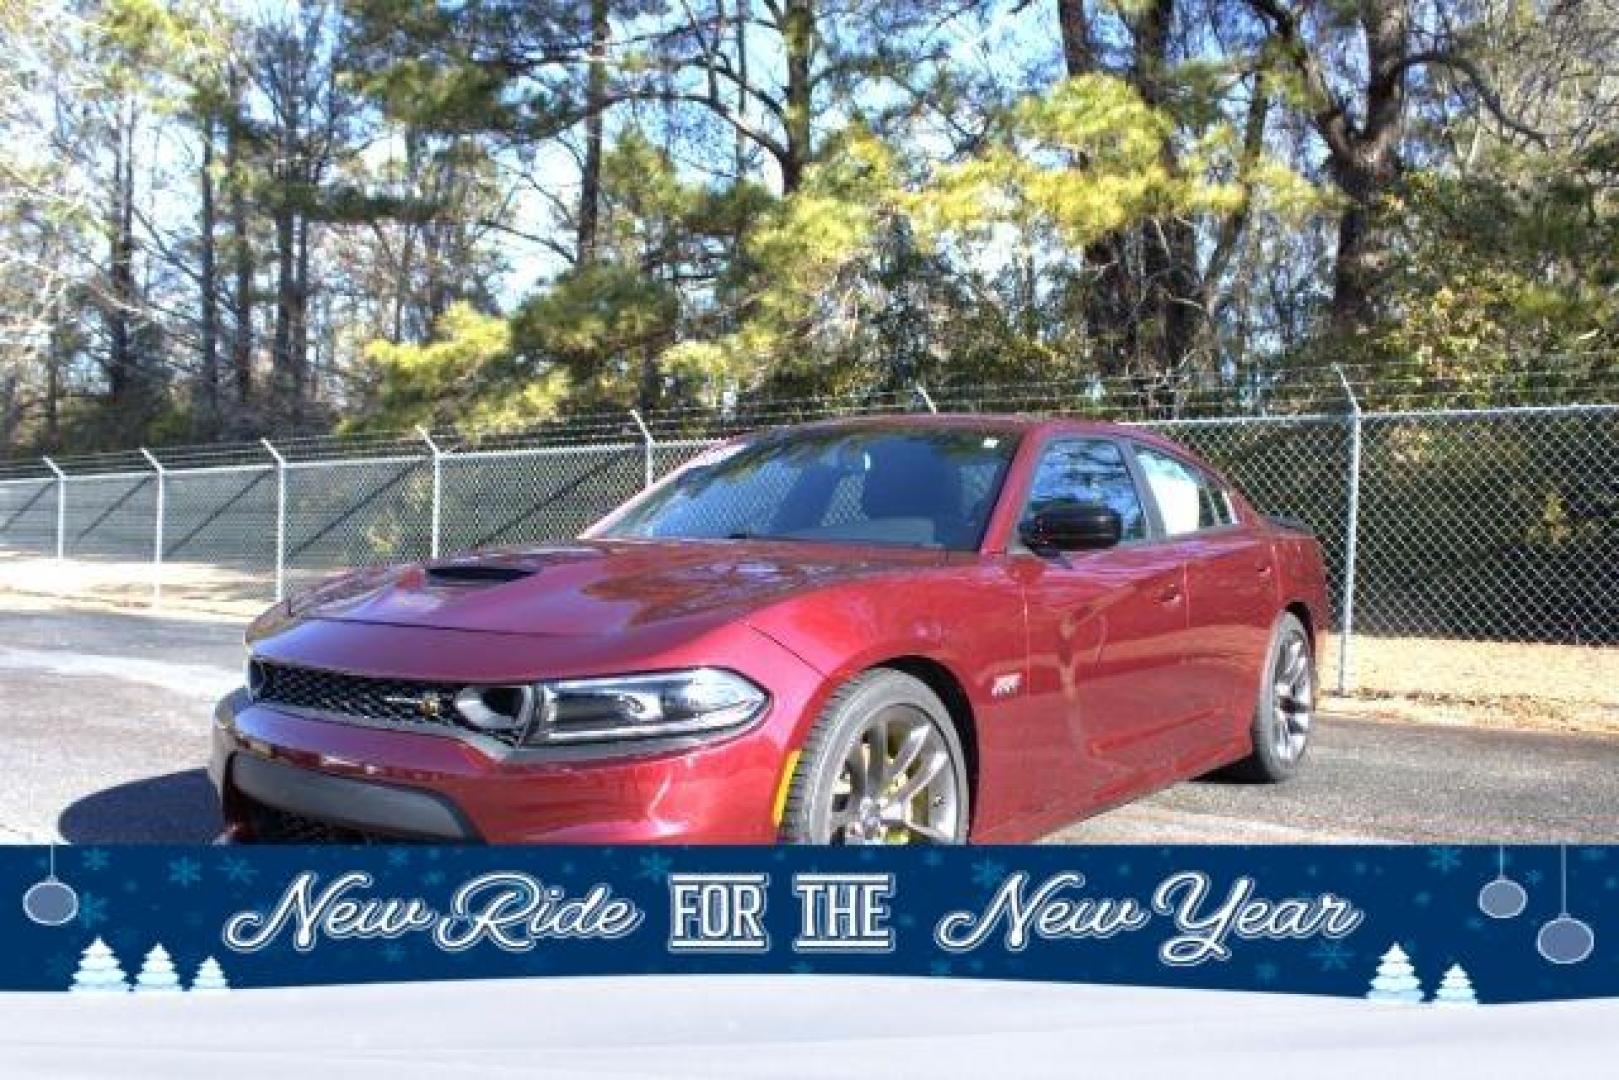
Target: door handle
[(1264, 569), (1171, 594)]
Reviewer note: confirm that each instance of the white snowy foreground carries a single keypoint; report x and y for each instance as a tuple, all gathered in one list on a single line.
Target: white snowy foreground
[(722, 1026)]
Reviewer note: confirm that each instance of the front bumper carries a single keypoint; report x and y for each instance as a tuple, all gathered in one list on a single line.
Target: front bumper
[(286, 776)]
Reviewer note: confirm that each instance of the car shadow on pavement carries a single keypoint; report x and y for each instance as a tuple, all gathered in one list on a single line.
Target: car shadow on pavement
[(179, 808)]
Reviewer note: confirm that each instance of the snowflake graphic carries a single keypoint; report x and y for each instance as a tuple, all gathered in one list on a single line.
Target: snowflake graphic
[(398, 857), (932, 858), (1266, 972), (1533, 877), (939, 967), (95, 859), (1422, 899), (654, 867), (1332, 956), (185, 871), (92, 910), (987, 873), (393, 952), (237, 870), (802, 967), (433, 878), (1444, 860)]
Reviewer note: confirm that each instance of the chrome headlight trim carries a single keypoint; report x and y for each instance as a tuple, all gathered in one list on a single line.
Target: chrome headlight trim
[(690, 701)]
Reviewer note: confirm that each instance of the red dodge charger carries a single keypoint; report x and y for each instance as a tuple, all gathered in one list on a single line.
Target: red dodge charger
[(877, 631)]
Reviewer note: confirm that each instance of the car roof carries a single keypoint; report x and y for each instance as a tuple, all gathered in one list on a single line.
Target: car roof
[(1010, 423)]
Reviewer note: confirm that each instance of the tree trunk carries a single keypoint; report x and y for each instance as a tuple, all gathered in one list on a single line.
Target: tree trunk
[(744, 14), (208, 286), (281, 360), (1366, 166), (301, 384), (1168, 245), (120, 303), (798, 40), (1362, 158), (595, 106), (241, 346), (1078, 53), (1106, 309)]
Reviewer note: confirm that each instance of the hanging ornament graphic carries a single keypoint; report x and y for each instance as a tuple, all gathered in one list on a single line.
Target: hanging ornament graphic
[(1565, 940), (50, 901), (1502, 898)]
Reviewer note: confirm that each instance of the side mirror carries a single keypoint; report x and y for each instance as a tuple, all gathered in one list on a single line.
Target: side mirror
[(1082, 527)]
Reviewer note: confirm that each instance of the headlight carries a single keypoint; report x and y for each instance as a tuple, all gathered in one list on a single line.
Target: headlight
[(643, 706)]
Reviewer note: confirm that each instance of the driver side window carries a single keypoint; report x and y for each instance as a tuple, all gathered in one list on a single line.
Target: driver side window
[(1078, 471)]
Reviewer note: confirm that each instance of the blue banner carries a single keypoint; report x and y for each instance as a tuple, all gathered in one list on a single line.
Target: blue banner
[(1402, 923)]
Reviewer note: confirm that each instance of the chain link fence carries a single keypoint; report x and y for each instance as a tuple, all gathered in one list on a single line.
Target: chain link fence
[(1486, 525)]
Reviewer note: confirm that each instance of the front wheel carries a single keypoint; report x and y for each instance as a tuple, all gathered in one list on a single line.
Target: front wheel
[(882, 765), (1285, 712)]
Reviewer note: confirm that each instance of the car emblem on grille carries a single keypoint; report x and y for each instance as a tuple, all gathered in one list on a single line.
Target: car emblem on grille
[(429, 706)]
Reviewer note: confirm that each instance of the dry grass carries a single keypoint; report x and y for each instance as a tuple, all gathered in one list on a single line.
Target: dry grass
[(1481, 683), (1524, 685)]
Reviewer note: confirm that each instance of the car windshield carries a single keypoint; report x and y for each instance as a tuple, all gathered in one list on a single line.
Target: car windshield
[(918, 488)]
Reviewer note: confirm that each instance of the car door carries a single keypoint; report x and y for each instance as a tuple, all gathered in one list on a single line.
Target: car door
[(1105, 631), (1230, 594)]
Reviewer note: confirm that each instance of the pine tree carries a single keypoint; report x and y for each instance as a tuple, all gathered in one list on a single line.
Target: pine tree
[(157, 973), (99, 972), (210, 977), (1456, 988), (1396, 978)]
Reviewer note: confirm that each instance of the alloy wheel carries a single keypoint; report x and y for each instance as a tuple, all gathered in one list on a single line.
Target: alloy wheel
[(897, 784), (1294, 699)]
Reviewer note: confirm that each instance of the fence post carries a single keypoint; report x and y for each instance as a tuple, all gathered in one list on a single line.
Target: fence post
[(280, 519), (157, 532), (648, 448), (1351, 540), (927, 398), (61, 508), (438, 487)]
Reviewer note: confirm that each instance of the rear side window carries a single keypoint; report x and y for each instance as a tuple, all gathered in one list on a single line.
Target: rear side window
[(1188, 498), (1077, 471)]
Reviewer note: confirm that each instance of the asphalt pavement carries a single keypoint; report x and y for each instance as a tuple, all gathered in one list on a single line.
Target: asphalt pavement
[(106, 717)]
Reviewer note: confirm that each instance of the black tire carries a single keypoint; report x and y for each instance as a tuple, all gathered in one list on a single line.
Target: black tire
[(1271, 762), (889, 696)]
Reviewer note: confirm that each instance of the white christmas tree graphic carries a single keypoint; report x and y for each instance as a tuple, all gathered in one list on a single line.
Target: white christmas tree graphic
[(1396, 978), (157, 973), (99, 972), (210, 977), (1455, 988)]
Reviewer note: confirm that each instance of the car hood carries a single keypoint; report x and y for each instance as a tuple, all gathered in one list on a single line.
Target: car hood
[(595, 587)]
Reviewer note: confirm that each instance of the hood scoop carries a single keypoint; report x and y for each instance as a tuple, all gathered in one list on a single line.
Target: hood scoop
[(474, 575)]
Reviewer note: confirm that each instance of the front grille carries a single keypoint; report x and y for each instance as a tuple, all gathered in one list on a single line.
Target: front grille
[(272, 825), (400, 701)]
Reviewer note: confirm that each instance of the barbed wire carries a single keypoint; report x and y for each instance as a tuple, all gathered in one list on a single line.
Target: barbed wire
[(1409, 384)]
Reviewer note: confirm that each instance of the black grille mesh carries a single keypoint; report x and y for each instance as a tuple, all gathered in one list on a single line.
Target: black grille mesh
[(393, 700), (272, 825)]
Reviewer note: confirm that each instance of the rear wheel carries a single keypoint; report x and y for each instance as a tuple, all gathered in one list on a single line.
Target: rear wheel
[(1285, 712), (882, 765)]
